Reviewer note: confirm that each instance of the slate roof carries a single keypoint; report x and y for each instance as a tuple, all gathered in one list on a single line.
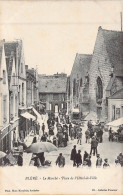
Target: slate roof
[(110, 84), (10, 53), (114, 46), (14, 48), (31, 71), (81, 64), (50, 84), (117, 95)]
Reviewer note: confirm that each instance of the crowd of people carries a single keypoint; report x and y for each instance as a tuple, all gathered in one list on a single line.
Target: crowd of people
[(76, 157), (116, 135), (59, 133)]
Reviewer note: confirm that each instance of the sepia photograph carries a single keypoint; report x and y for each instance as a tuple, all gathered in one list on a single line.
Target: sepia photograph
[(61, 97)]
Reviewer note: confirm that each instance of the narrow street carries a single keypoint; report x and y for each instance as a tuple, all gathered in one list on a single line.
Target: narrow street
[(106, 149)]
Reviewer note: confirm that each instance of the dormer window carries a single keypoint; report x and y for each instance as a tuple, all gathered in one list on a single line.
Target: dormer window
[(4, 77), (21, 67)]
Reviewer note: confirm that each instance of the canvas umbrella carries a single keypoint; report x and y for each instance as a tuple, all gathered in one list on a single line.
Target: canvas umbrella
[(41, 147), (2, 154)]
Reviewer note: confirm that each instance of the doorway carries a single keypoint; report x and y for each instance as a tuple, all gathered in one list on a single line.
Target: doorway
[(56, 108)]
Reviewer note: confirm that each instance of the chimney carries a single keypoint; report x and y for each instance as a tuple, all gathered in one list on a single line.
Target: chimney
[(100, 28), (26, 67)]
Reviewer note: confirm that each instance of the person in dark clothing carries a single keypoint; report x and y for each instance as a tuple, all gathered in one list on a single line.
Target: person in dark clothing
[(60, 160), (6, 161), (88, 160), (91, 133), (53, 122), (87, 135), (78, 158), (101, 135), (43, 128), (70, 126), (94, 144), (85, 156), (43, 138), (20, 160), (110, 135), (98, 161), (41, 158), (89, 124), (36, 161), (73, 155), (34, 140), (105, 165)]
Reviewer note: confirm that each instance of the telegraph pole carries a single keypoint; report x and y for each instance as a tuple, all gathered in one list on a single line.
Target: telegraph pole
[(121, 20)]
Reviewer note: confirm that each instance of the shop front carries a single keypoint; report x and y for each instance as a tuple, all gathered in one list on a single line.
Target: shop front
[(5, 138), (26, 124)]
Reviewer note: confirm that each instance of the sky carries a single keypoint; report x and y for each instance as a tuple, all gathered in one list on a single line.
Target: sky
[(53, 32)]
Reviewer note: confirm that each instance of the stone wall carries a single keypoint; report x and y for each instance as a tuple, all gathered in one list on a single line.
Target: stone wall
[(100, 67)]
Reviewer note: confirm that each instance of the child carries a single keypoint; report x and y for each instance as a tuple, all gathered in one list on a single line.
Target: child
[(105, 165)]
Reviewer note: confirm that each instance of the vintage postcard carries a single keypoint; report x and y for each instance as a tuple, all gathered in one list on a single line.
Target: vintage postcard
[(61, 97)]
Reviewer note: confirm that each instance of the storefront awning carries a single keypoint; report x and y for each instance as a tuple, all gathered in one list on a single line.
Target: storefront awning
[(29, 116), (116, 123), (35, 111), (75, 110)]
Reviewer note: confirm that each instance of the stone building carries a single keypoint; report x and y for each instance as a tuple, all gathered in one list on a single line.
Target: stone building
[(17, 83), (31, 87), (13, 93), (5, 135), (106, 71), (52, 92), (79, 84), (115, 105)]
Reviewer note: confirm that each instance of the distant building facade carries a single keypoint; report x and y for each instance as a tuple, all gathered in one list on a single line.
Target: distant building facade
[(52, 92), (78, 87), (32, 96)]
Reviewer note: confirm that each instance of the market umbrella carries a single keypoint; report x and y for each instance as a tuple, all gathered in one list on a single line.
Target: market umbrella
[(41, 147), (2, 154)]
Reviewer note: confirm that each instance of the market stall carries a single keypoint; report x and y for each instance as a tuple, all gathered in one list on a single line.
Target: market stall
[(116, 127)]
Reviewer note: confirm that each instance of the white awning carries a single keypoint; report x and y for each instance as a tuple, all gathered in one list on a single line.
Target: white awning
[(76, 110), (91, 116), (116, 123), (28, 116), (35, 111)]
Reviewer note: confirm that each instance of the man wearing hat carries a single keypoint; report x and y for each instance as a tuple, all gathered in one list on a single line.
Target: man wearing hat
[(60, 160), (73, 155), (94, 144), (98, 161)]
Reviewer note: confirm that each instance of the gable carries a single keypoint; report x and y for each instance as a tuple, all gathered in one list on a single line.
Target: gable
[(114, 46), (117, 95)]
